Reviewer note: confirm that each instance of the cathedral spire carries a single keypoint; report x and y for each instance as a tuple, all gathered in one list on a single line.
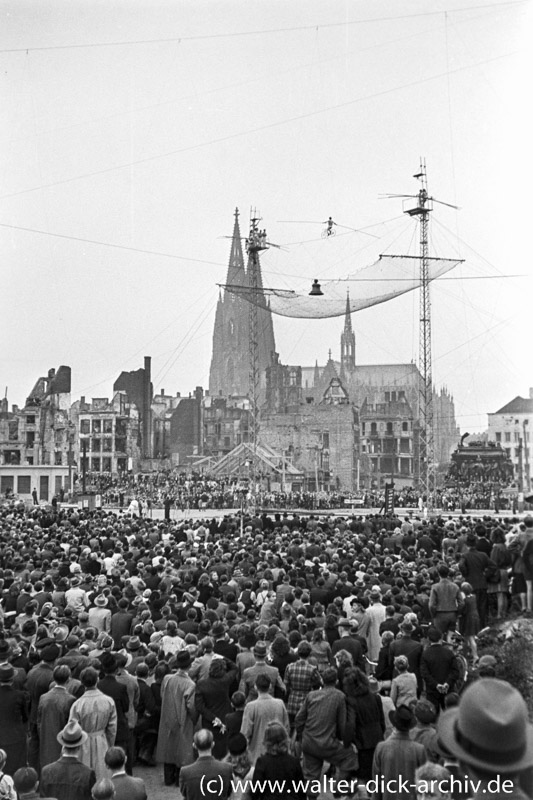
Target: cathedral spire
[(236, 274), (347, 343), (348, 316)]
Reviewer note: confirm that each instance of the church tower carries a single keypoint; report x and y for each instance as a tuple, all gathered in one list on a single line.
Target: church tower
[(230, 362), (347, 344)]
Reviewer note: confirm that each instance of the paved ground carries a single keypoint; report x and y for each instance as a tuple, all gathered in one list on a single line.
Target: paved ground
[(155, 788), (210, 513)]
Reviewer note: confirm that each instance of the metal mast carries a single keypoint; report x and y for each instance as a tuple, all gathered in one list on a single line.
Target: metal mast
[(254, 244), (426, 452)]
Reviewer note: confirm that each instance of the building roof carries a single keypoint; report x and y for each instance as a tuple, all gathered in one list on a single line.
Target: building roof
[(520, 405)]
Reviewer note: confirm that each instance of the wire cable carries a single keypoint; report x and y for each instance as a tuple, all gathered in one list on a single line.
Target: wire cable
[(258, 32)]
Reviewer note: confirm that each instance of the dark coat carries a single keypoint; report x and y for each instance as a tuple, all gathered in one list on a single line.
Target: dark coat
[(119, 693), (352, 646), (406, 646), (128, 788), (208, 768), (13, 722), (52, 716), (365, 722), (473, 565), (278, 768), (438, 665), (67, 779)]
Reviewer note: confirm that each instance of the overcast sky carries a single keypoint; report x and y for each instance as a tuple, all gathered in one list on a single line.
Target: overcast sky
[(144, 124)]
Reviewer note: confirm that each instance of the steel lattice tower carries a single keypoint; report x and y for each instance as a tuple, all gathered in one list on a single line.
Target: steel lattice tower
[(255, 243), (426, 451)]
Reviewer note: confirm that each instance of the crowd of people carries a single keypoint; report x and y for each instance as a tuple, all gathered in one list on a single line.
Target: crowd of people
[(191, 490), (224, 649)]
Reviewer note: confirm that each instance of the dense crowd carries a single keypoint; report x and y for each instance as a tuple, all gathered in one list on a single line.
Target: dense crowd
[(187, 491), (261, 647)]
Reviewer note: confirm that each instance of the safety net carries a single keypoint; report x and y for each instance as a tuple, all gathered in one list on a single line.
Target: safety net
[(388, 277)]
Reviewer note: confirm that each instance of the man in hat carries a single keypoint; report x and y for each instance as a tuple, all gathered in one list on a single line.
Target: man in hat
[(249, 676), (397, 758), (72, 658), (39, 679), (205, 772), (53, 714), (100, 615), (124, 677), (68, 778), (6, 657), (489, 733), (178, 718), (221, 644), (13, 720)]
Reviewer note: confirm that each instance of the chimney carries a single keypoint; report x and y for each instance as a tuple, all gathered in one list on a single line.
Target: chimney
[(82, 400), (162, 392), (15, 409), (178, 394)]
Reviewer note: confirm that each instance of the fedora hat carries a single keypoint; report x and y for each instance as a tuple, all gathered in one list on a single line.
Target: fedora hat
[(489, 729), (402, 718), (344, 623), (248, 640), (101, 601), (183, 659), (72, 735), (260, 649), (61, 633), (134, 643), (7, 673)]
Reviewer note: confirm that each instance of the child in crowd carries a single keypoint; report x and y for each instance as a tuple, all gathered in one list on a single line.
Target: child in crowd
[(403, 687)]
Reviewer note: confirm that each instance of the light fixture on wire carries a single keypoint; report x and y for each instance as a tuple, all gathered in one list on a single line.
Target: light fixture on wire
[(316, 290)]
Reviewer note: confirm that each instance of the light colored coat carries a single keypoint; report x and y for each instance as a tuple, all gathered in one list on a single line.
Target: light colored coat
[(178, 718), (257, 714), (375, 615), (97, 715)]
